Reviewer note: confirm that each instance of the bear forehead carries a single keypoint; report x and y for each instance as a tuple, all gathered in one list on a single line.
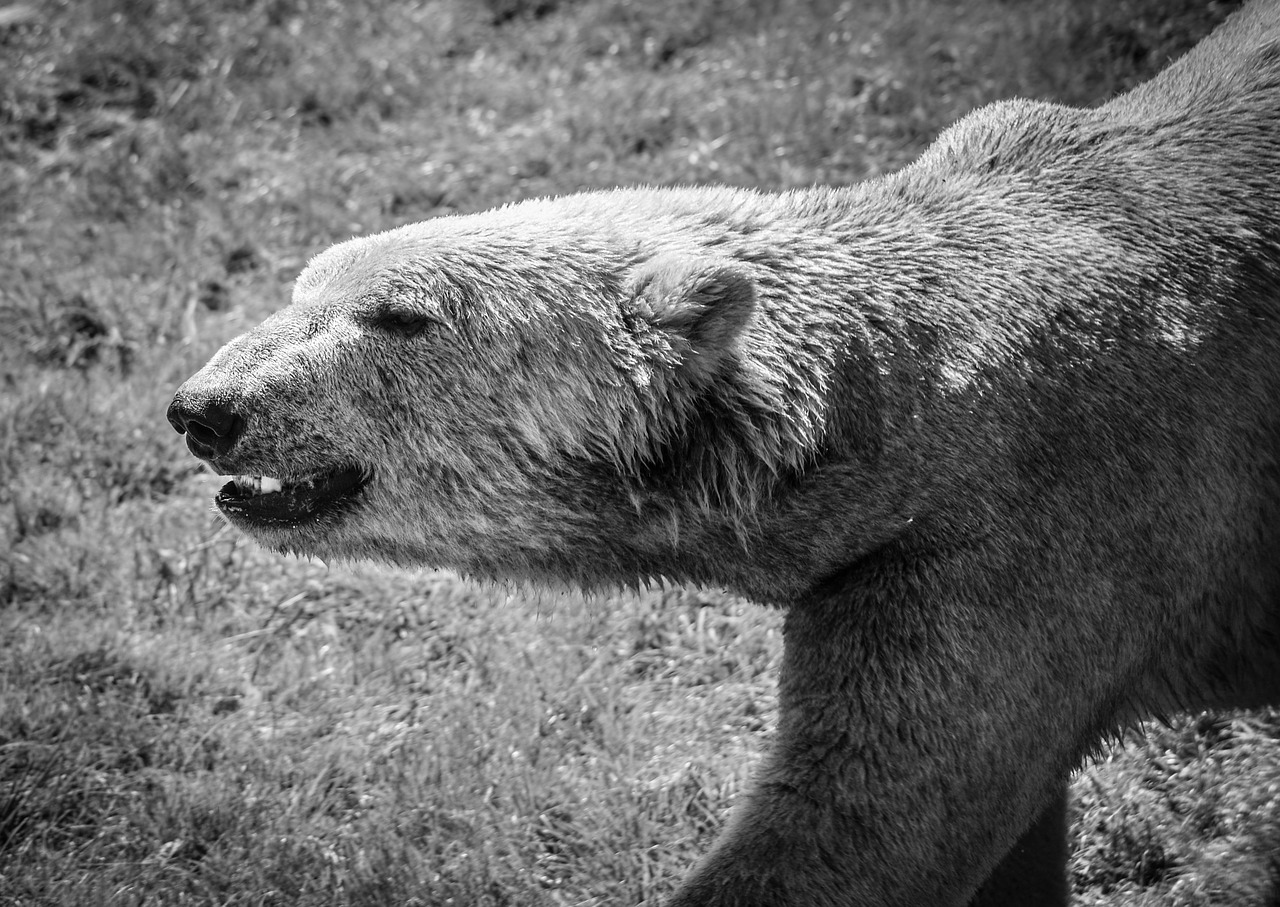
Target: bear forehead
[(621, 220), (458, 269), (576, 250)]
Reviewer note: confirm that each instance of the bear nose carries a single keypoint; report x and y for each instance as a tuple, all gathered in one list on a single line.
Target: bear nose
[(211, 428)]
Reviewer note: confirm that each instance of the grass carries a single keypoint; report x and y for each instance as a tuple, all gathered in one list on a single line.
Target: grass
[(185, 719)]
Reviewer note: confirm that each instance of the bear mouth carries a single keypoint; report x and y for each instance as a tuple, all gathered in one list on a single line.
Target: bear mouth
[(261, 501)]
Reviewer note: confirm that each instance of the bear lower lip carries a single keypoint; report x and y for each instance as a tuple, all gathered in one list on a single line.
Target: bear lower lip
[(295, 502)]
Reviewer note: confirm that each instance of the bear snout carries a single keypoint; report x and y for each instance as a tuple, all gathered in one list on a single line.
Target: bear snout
[(212, 428)]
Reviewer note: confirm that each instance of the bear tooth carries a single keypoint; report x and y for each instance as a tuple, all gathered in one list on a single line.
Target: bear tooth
[(256, 485)]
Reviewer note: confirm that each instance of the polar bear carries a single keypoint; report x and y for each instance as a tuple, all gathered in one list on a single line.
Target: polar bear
[(999, 432)]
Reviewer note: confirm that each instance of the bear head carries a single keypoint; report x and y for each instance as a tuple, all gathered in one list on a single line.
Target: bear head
[(603, 388)]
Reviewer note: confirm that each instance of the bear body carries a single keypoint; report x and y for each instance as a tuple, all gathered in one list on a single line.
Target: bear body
[(999, 431)]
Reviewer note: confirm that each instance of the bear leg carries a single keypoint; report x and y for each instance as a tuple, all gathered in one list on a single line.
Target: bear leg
[(1034, 871)]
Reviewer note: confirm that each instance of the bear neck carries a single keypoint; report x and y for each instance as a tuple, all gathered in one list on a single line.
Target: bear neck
[(911, 338)]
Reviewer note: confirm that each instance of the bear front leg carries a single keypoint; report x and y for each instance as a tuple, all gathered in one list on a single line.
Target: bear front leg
[(781, 849), (911, 752)]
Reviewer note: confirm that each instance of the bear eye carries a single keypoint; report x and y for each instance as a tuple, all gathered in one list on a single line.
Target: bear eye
[(403, 321)]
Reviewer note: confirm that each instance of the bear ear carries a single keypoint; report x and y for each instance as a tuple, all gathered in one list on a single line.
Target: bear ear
[(701, 303)]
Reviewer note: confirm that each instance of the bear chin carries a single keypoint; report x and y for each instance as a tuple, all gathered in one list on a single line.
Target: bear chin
[(259, 502)]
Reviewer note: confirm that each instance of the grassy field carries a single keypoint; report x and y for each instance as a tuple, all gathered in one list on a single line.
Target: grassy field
[(185, 719)]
